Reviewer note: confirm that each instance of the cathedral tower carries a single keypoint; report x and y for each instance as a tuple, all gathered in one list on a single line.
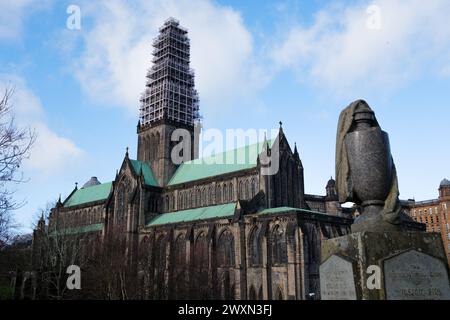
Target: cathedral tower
[(170, 102)]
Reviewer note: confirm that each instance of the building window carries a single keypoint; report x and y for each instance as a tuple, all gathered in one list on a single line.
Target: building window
[(121, 203), (279, 247), (255, 248), (226, 249)]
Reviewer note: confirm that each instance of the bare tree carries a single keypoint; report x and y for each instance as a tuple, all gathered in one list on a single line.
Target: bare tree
[(15, 145), (55, 248), (109, 274)]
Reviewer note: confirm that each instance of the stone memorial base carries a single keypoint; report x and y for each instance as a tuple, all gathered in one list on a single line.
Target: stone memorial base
[(384, 266)]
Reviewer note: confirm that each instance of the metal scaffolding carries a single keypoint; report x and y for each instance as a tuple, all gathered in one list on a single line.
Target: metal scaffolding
[(170, 91)]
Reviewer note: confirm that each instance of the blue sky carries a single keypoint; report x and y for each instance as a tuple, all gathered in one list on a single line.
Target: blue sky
[(256, 63)]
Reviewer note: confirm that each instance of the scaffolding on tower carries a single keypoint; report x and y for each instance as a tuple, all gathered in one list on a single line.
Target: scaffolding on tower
[(170, 90)]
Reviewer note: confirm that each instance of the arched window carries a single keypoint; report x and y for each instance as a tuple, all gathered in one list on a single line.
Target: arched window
[(160, 267), (279, 295), (254, 187), (201, 259), (199, 197), (180, 267), (255, 248), (203, 195), (191, 199), (200, 264), (218, 194), (121, 202), (225, 250), (225, 192), (279, 248), (180, 251), (212, 199), (252, 293), (167, 203), (241, 190), (180, 200), (247, 190), (230, 192)]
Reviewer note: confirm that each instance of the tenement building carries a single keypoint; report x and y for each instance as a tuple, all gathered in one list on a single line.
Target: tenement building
[(203, 228), (435, 214)]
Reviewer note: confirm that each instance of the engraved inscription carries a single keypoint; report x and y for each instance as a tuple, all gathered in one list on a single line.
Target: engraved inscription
[(413, 275), (336, 279)]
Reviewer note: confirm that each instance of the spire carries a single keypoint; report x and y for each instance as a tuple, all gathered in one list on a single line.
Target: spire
[(170, 76), (295, 148), (281, 126), (126, 153), (76, 185)]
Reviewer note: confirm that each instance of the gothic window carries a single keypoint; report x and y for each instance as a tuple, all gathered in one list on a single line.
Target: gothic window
[(226, 249), (230, 192), (192, 198), (167, 203), (247, 190), (254, 187), (199, 197), (255, 248), (212, 195), (203, 195), (121, 202), (180, 267), (160, 266), (252, 293), (180, 251), (225, 192), (279, 248), (201, 252), (279, 294), (218, 194), (180, 200), (241, 190)]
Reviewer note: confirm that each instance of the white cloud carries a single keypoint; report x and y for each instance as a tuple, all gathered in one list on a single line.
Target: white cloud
[(117, 49), (13, 14), (339, 52), (50, 152)]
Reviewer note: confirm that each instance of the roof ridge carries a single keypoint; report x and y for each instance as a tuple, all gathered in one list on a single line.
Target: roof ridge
[(259, 144)]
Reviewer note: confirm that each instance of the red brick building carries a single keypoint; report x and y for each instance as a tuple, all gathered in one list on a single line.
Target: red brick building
[(435, 214)]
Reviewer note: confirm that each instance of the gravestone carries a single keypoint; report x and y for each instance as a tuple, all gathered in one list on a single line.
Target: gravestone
[(411, 265), (413, 275), (337, 279)]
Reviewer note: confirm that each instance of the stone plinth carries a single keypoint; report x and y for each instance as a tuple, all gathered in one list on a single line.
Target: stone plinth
[(384, 266)]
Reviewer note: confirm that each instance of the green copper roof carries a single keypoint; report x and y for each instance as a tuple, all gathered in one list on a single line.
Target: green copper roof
[(286, 209), (149, 179), (78, 230), (221, 163), (89, 194), (219, 211)]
